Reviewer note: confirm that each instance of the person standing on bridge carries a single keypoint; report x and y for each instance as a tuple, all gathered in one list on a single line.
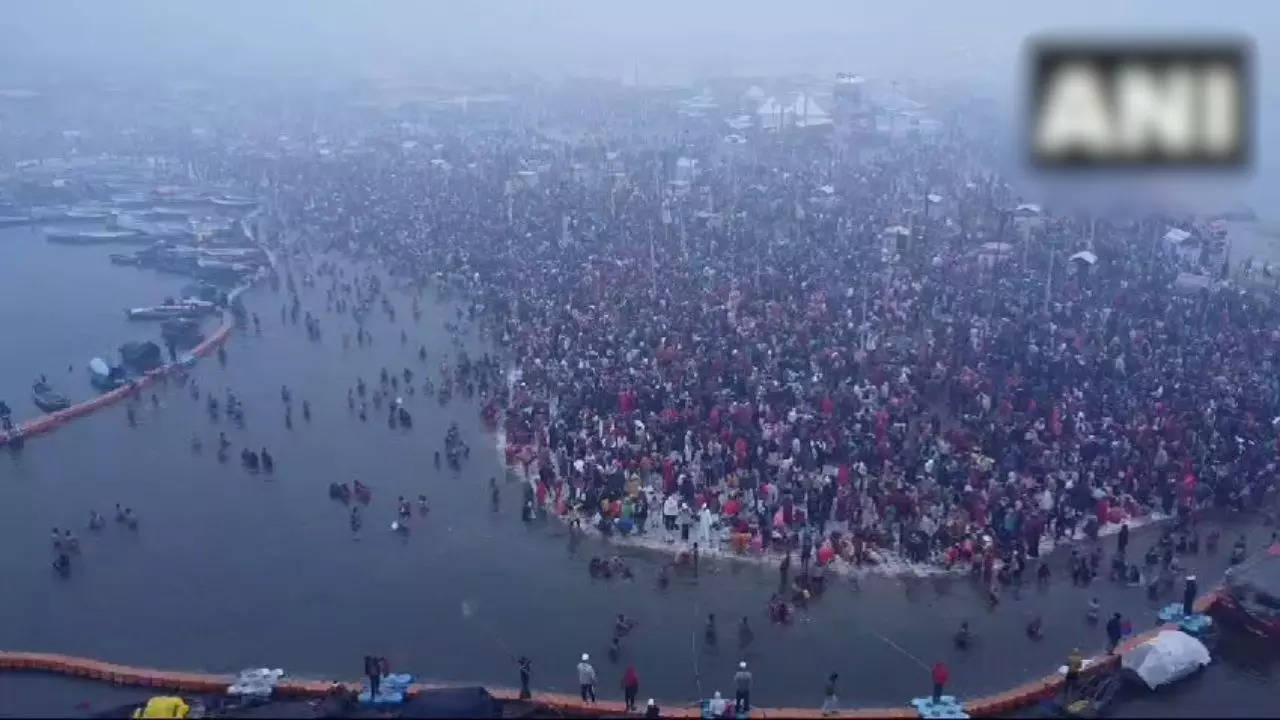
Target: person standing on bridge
[(630, 687), (1113, 633), (742, 689), (1075, 663), (830, 704), (587, 679), (1189, 596), (371, 670), (940, 677), (526, 668)]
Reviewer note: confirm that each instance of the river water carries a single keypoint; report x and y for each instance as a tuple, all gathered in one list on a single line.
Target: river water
[(230, 569)]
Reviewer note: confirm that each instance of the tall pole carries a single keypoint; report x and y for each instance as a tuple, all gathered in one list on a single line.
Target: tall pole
[(653, 263), (1048, 278)]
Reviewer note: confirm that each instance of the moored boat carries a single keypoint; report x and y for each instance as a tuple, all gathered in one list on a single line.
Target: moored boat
[(103, 376), (181, 332), (91, 237), (162, 213), (1250, 597), (232, 201), (88, 215), (131, 201), (46, 399), (187, 309), (15, 220)]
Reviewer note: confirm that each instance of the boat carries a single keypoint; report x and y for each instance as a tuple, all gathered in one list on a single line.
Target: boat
[(119, 259), (132, 201), (14, 220), (91, 237), (48, 400), (141, 357), (88, 215), (181, 332), (103, 376), (190, 308), (1250, 596), (231, 201), (161, 213)]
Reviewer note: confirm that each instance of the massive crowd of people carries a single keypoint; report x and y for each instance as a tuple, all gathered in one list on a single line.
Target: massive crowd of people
[(787, 348)]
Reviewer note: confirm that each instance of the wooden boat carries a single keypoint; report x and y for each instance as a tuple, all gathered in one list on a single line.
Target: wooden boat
[(46, 399)]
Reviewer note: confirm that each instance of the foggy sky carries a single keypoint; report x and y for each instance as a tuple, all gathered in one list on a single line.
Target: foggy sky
[(973, 43), (669, 40)]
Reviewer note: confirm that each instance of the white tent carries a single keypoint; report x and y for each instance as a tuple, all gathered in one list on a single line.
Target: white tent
[(1086, 257), (801, 111), (1166, 658), (1175, 236), (1191, 282)]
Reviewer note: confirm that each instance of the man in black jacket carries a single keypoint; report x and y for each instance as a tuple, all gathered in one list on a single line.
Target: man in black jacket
[(1113, 633), (373, 671)]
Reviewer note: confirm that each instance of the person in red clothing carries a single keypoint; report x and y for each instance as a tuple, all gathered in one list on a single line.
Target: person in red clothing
[(630, 687), (940, 677)]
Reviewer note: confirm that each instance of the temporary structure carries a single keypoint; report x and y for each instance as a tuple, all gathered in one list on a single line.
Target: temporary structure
[(801, 111), (1166, 658)]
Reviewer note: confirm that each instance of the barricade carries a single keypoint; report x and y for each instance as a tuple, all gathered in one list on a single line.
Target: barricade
[(51, 421), (569, 705)]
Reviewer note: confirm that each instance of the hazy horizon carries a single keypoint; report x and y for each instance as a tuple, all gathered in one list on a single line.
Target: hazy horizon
[(973, 46)]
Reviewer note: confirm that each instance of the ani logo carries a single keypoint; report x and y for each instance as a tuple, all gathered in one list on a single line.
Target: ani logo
[(1139, 104)]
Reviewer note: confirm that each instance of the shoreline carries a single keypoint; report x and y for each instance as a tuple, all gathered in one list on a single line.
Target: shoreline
[(888, 563)]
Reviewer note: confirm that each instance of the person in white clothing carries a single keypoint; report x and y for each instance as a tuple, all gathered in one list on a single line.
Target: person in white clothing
[(670, 509), (717, 705), (704, 526)]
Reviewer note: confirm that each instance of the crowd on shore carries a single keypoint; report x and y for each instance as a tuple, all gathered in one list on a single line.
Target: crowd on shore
[(784, 352)]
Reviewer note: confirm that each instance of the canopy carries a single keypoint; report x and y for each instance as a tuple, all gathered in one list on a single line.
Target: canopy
[(1166, 658), (1085, 256), (1191, 282), (802, 111)]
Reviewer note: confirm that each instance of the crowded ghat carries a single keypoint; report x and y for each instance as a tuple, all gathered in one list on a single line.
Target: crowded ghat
[(832, 363), (858, 364)]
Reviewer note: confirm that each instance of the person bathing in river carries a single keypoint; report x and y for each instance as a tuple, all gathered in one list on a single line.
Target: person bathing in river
[(623, 626)]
